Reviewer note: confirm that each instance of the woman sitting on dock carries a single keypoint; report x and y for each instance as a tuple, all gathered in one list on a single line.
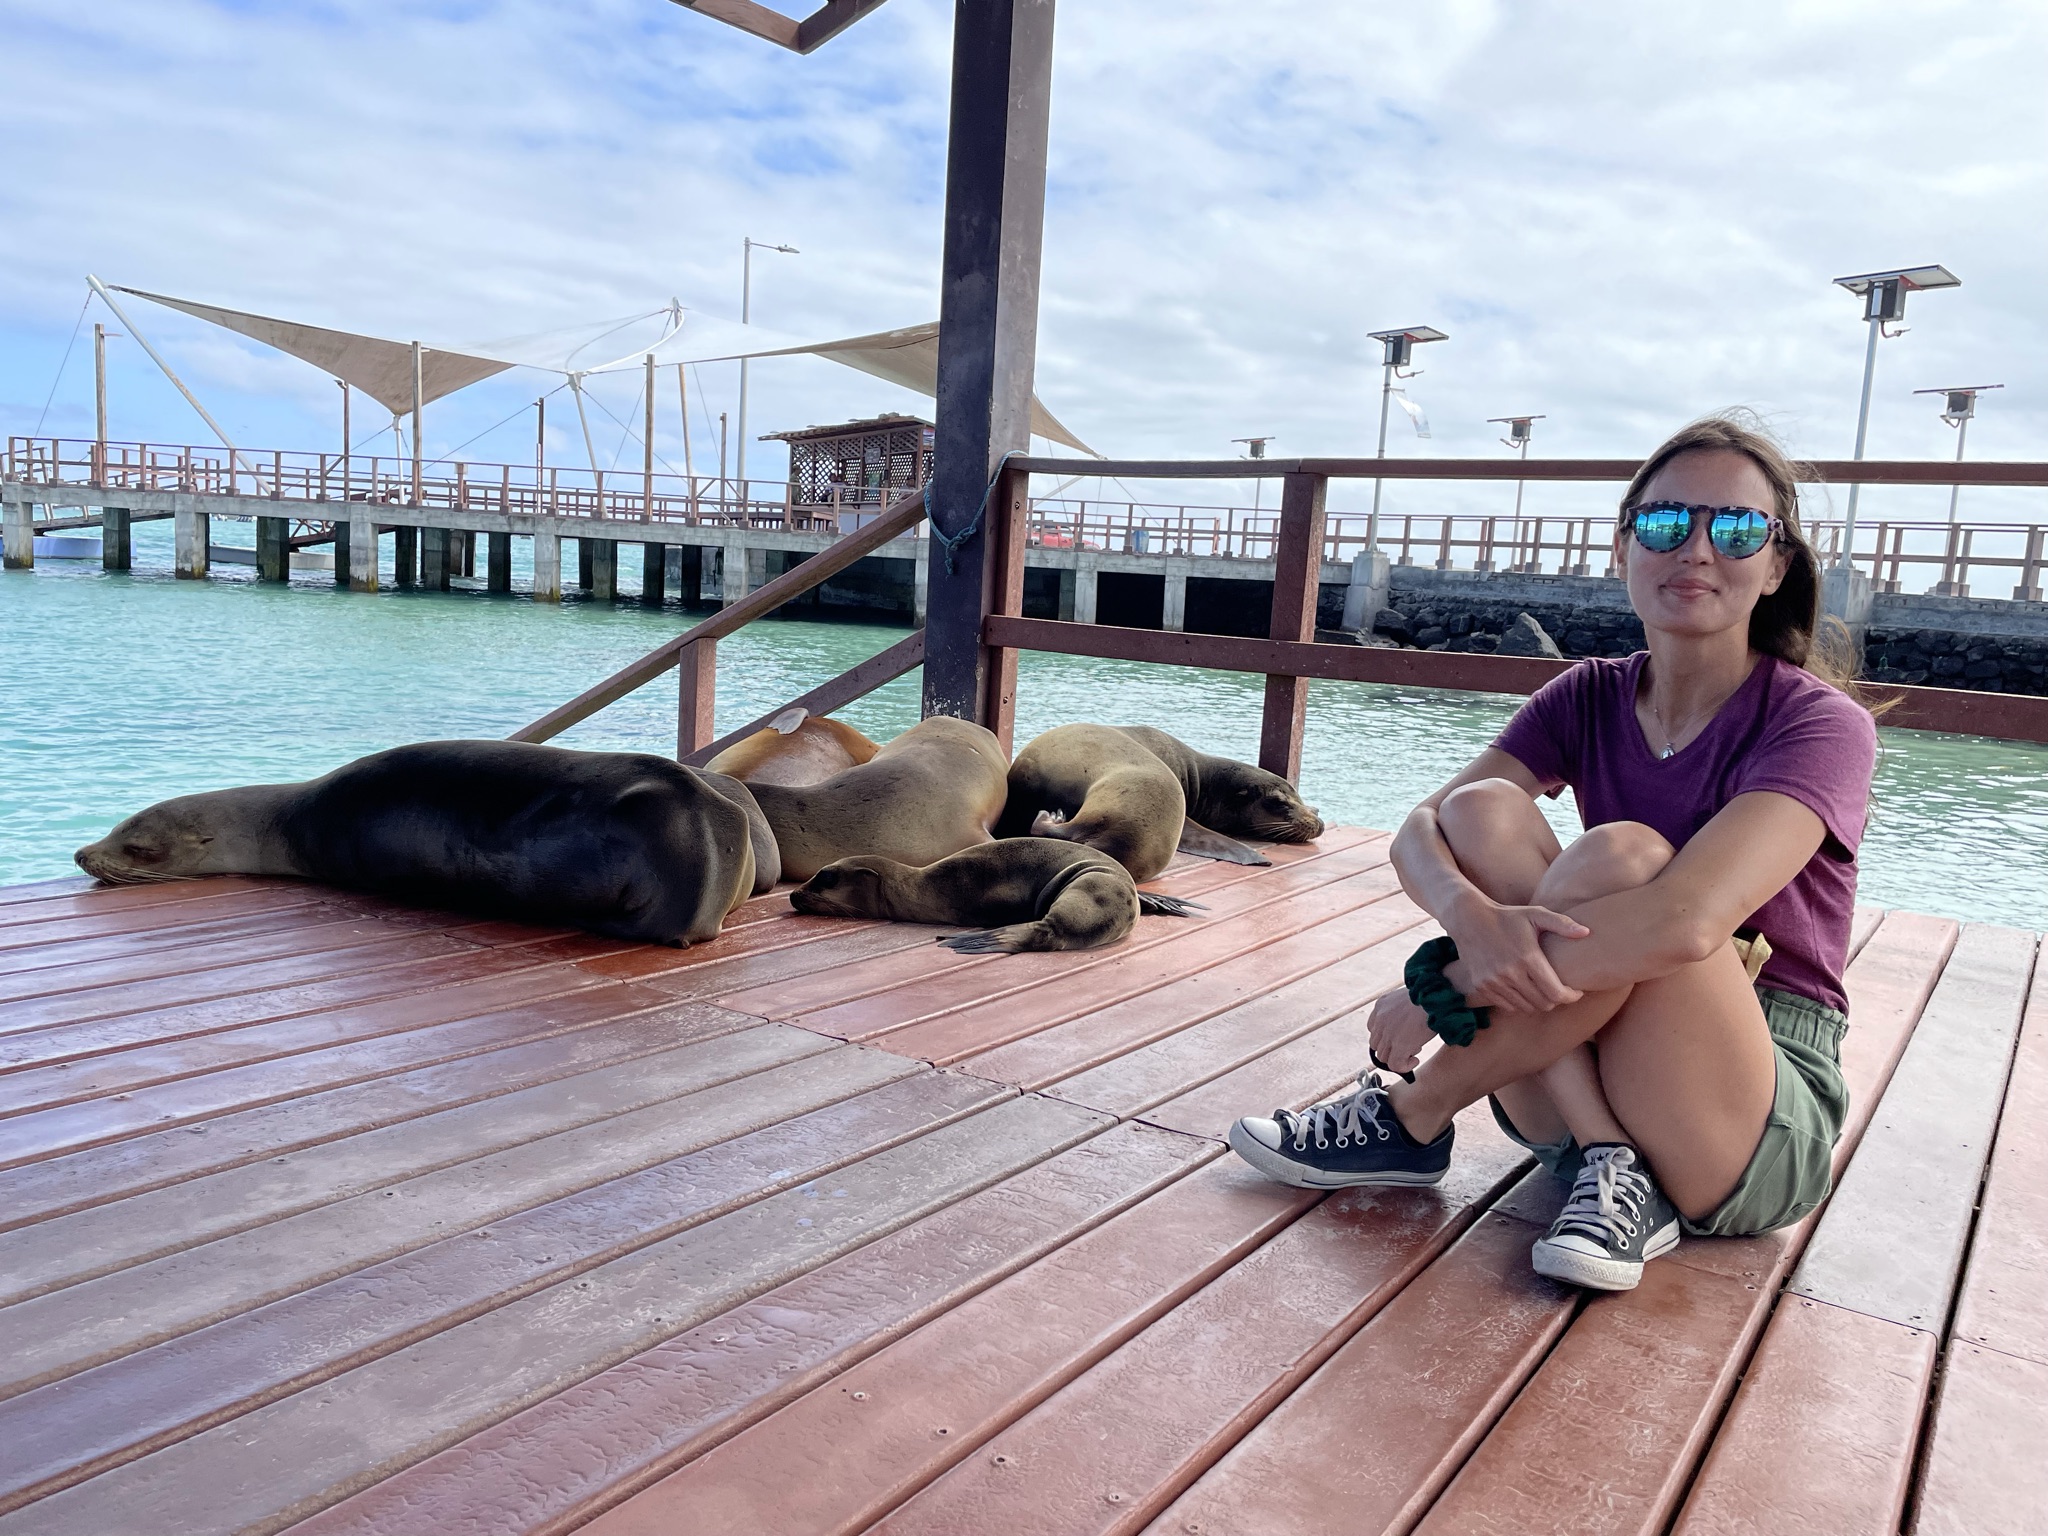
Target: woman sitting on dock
[(1655, 1010)]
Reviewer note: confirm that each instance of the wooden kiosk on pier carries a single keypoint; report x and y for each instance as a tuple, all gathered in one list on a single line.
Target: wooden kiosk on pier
[(326, 1215)]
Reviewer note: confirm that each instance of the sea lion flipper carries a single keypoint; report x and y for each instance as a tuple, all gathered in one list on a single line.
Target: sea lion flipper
[(1168, 906), (990, 941), (1204, 844)]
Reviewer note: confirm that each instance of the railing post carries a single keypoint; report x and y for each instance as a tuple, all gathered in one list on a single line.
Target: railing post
[(2029, 589), (696, 696), (1297, 573), (1009, 511)]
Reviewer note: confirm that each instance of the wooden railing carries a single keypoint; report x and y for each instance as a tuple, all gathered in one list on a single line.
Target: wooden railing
[(1289, 657)]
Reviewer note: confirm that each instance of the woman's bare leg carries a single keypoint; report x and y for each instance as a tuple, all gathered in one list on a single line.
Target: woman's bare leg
[(1684, 1063)]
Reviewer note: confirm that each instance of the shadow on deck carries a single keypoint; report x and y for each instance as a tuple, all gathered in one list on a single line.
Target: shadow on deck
[(323, 1213)]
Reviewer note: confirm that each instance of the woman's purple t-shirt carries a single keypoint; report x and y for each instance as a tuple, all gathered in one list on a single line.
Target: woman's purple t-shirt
[(1783, 730)]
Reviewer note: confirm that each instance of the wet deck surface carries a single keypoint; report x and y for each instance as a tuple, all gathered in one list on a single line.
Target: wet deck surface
[(320, 1213)]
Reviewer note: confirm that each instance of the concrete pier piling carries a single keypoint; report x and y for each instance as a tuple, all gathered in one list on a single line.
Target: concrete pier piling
[(547, 567), (341, 543), (116, 547), (498, 562), (273, 549), (190, 541), (405, 556), (1173, 613), (597, 567), (436, 558), (653, 574), (362, 555), (19, 535)]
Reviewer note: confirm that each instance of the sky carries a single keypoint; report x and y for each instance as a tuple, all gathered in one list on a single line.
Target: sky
[(1624, 215)]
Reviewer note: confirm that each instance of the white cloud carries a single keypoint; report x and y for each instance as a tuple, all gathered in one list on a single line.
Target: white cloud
[(1623, 214)]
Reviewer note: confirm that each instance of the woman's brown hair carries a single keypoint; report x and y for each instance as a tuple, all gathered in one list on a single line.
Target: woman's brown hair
[(1786, 623)]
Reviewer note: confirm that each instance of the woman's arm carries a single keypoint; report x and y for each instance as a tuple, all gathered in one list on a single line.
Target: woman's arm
[(1499, 943), (1749, 852)]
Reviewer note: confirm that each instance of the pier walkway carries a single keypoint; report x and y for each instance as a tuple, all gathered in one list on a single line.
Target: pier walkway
[(329, 1215)]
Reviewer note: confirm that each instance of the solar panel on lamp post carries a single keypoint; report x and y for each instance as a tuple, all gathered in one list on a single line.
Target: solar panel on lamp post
[(1521, 430), (1398, 350)]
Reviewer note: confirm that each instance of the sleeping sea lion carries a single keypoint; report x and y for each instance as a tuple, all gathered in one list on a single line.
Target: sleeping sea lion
[(624, 844), (1106, 789), (1026, 892), (1227, 799), (934, 790), (796, 747)]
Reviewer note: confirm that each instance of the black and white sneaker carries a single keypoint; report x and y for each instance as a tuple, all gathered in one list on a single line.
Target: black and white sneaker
[(1616, 1221), (1356, 1139)]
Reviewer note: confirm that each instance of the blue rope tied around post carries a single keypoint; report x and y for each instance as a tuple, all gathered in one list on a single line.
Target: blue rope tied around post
[(951, 542)]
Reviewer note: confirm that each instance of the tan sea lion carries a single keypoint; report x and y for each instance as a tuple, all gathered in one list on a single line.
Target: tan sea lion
[(624, 844), (934, 790), (796, 747), (1101, 787), (1227, 799), (1025, 892)]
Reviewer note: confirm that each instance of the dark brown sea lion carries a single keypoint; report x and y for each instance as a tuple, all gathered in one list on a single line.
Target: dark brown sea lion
[(1025, 892), (934, 790), (795, 748), (634, 846), (1100, 786), (1227, 799)]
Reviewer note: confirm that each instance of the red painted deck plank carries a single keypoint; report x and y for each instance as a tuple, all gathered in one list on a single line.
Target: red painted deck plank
[(1132, 977), (74, 1180), (53, 1043), (1222, 886), (1365, 1445), (592, 1446), (303, 1452), (74, 895), (170, 923), (491, 1138), (81, 1325), (1134, 1054), (851, 1450), (1986, 1475), (69, 1429), (124, 1070), (1299, 1072), (1112, 1449)]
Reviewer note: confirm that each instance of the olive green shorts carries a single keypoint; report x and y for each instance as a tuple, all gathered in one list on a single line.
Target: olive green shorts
[(1788, 1174)]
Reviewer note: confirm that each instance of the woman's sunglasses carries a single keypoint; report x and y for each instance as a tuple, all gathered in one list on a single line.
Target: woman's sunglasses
[(1735, 532)]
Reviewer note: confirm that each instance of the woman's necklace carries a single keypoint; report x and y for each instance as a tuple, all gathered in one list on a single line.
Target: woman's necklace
[(1670, 736)]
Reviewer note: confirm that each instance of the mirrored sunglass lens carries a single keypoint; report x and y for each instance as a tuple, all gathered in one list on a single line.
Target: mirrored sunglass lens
[(1740, 534), (1662, 529)]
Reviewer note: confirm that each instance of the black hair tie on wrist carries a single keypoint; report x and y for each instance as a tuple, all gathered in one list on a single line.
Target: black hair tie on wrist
[(1456, 1020)]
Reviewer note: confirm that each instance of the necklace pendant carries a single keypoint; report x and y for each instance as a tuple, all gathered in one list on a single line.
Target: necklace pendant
[(1669, 751)]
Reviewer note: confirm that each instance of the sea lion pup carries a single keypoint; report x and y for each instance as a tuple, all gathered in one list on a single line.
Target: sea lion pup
[(796, 747), (624, 844), (934, 790), (1227, 800), (1101, 787), (1027, 892)]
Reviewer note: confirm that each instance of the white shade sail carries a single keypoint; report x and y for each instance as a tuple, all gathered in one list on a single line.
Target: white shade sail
[(382, 368)]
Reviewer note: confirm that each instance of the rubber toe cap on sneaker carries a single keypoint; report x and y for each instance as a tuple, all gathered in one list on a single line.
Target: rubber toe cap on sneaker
[(1266, 1133)]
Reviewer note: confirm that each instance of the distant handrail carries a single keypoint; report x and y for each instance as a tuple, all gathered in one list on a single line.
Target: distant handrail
[(900, 518), (1814, 471)]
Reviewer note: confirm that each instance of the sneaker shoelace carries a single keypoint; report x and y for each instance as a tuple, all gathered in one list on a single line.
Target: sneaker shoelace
[(1607, 1198), (1354, 1117)]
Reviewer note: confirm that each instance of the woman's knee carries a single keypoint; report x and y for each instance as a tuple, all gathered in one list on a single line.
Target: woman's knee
[(1479, 814), (1618, 856)]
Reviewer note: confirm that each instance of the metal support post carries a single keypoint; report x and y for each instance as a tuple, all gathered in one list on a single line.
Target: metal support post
[(1847, 554), (1297, 574), (988, 332)]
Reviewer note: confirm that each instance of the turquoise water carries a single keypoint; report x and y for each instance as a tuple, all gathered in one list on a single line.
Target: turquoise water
[(125, 689)]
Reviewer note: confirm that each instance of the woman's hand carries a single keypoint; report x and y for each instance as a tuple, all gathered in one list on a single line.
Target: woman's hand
[(1501, 963), (1398, 1031)]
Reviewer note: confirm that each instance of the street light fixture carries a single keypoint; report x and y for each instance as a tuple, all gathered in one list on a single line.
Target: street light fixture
[(747, 250), (1884, 303), (1958, 410), (1398, 349), (1255, 448), (1520, 430)]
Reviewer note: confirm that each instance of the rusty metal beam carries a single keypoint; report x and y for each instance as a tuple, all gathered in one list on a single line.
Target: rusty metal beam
[(815, 30), (1825, 471), (856, 682)]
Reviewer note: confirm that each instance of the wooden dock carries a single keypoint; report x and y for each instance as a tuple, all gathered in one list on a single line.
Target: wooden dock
[(325, 1214)]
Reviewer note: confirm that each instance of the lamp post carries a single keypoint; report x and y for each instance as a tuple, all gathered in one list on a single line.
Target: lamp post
[(1255, 448), (1521, 429), (1398, 348), (1884, 303), (748, 247), (1958, 409)]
